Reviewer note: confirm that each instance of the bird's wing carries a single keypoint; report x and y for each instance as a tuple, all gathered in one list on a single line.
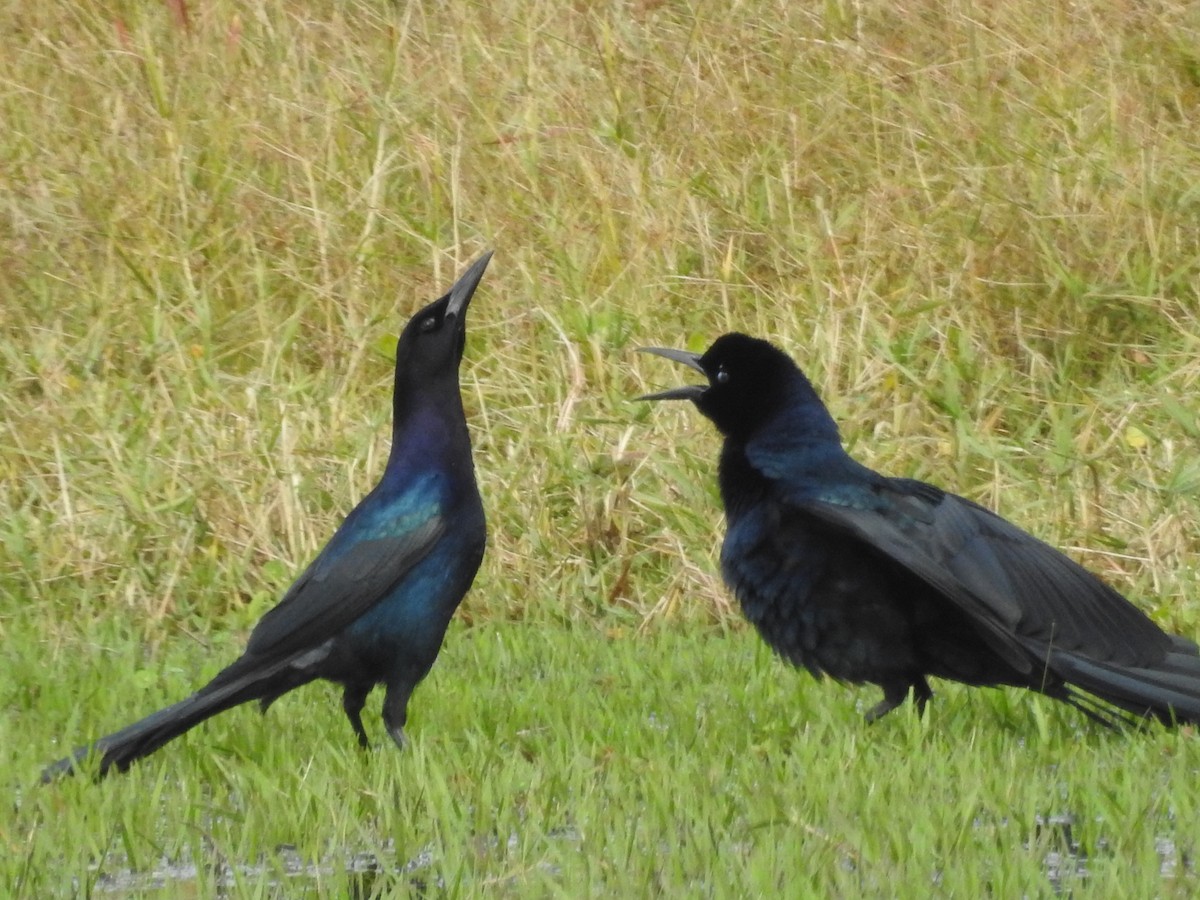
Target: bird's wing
[(338, 588), (1060, 602), (1009, 582)]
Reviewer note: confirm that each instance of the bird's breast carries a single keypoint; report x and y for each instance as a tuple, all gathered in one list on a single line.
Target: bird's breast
[(814, 604)]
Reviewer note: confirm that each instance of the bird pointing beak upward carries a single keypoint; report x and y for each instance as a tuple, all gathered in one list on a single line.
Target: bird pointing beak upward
[(460, 294), (687, 392)]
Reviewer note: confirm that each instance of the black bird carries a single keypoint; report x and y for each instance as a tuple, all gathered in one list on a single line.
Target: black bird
[(887, 581), (374, 605)]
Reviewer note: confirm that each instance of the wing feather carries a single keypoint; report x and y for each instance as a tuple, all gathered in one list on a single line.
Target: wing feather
[(1018, 590), (336, 590)]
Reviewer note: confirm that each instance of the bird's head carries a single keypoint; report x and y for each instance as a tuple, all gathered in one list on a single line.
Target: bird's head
[(749, 382), (431, 345)]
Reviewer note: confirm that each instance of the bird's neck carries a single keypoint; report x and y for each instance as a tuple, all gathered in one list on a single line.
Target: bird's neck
[(800, 448), (430, 432), (802, 421), (742, 486)]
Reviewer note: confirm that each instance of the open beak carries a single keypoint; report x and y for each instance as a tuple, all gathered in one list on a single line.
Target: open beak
[(687, 392), (464, 288)]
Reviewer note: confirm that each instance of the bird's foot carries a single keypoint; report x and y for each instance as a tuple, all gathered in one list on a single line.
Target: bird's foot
[(881, 709), (894, 695), (397, 734)]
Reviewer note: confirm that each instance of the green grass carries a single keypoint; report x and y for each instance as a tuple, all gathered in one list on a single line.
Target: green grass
[(974, 228), (549, 761)]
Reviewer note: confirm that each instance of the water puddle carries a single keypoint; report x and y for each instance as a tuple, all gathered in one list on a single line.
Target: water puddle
[(1065, 862), (286, 869), (1066, 859), (290, 873)]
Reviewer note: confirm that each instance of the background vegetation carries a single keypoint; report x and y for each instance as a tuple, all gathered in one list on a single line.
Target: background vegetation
[(974, 225)]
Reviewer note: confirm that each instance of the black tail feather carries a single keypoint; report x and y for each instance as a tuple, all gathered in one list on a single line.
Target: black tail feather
[(1169, 692), (1097, 710), (232, 687)]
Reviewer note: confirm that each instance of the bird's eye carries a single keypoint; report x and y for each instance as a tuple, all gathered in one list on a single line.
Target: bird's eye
[(429, 324), (722, 376)]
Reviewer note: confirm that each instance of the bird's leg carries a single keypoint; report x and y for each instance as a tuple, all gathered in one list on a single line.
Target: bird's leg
[(922, 694), (353, 701), (395, 712), (893, 696), (895, 693)]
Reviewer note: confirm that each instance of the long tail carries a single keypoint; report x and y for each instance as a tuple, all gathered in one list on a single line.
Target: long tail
[(1170, 691), (235, 685)]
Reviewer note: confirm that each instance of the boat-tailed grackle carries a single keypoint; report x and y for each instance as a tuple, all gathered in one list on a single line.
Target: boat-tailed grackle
[(887, 581), (373, 607)]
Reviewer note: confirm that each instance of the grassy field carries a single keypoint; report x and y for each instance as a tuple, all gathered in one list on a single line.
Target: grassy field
[(977, 227)]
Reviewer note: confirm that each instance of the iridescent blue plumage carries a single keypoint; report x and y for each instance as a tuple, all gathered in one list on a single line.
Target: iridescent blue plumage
[(373, 607), (883, 580)]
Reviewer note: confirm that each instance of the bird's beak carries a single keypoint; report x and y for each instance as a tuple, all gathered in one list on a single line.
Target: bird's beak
[(464, 288), (687, 392)]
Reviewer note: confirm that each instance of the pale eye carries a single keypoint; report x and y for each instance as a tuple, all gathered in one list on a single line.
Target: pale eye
[(428, 324), (722, 377)]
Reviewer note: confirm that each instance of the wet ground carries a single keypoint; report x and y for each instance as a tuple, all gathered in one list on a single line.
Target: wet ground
[(1065, 863)]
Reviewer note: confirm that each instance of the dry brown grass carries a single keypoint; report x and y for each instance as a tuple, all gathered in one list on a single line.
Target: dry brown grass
[(975, 227)]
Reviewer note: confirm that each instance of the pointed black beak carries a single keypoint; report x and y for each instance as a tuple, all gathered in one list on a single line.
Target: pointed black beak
[(464, 288), (687, 392)]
